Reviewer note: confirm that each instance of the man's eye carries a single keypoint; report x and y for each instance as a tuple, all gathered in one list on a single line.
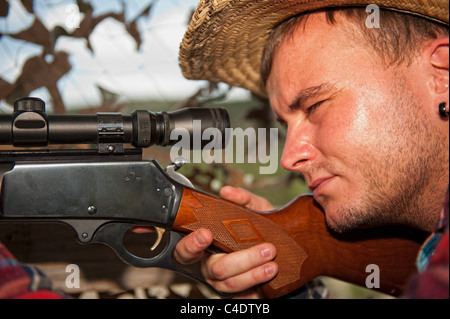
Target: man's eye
[(311, 109)]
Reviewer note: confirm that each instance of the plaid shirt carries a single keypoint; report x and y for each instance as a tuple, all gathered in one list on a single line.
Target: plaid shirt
[(432, 281), (21, 281)]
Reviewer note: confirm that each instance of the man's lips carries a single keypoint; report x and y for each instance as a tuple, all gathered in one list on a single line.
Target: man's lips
[(319, 184)]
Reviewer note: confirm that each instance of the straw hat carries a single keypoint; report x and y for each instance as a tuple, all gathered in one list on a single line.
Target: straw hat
[(225, 39)]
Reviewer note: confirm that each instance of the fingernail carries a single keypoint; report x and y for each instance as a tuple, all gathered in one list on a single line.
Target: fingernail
[(200, 240), (269, 270), (266, 252)]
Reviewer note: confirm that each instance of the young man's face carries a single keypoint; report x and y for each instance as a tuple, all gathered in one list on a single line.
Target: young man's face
[(355, 128)]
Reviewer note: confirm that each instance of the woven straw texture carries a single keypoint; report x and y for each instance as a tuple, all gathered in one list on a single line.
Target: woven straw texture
[(225, 39)]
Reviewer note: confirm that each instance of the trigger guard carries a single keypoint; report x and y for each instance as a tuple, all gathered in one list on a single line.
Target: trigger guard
[(111, 234)]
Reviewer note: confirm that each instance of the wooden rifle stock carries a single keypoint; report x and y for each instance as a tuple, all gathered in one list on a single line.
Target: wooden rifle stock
[(306, 248)]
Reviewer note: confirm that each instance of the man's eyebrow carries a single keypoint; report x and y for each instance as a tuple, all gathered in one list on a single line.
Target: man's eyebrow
[(310, 93)]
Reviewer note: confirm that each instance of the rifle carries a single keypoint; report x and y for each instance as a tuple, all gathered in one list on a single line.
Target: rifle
[(102, 193)]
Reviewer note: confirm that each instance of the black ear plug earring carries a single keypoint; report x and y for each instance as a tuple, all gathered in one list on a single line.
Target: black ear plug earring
[(443, 109)]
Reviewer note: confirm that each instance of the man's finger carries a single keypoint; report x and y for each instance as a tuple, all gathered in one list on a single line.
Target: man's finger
[(244, 197), (142, 229), (193, 247), (248, 279), (223, 266)]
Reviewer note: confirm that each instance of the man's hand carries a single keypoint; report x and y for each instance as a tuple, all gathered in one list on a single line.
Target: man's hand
[(238, 271)]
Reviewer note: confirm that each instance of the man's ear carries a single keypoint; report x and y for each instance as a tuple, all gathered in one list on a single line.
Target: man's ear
[(437, 53)]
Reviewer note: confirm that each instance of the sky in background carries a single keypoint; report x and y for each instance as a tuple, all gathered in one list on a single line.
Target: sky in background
[(150, 73)]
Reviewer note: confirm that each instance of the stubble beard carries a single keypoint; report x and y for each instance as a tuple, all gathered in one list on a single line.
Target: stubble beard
[(407, 186)]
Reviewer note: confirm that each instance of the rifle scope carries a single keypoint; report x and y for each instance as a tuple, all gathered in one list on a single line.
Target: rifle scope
[(30, 125)]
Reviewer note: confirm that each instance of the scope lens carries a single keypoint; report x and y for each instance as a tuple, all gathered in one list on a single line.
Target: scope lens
[(192, 121)]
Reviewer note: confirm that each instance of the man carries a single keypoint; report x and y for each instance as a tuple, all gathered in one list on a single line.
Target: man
[(366, 110)]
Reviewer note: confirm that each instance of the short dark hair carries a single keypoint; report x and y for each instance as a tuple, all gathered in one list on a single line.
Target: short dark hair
[(397, 39)]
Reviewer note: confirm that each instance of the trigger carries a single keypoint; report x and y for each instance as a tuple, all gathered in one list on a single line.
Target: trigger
[(160, 233)]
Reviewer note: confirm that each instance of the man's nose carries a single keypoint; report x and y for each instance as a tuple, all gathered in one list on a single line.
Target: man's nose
[(299, 150)]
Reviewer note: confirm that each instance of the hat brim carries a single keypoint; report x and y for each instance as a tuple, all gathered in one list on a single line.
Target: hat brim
[(225, 39)]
